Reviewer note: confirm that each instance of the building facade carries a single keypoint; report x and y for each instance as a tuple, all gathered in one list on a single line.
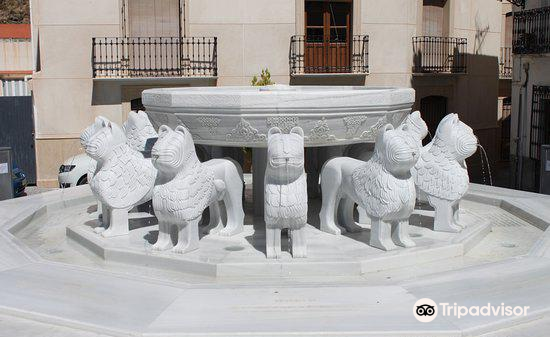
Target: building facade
[(530, 124), (95, 58)]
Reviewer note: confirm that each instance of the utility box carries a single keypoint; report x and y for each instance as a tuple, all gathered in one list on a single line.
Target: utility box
[(6, 167), (545, 169)]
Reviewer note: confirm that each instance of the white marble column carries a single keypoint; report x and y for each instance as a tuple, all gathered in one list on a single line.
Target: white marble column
[(259, 162)]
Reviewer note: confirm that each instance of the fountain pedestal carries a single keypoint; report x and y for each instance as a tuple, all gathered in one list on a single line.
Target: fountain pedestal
[(240, 116), (259, 163)]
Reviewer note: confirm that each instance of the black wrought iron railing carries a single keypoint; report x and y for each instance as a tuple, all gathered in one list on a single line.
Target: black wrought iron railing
[(531, 33), (436, 54), (319, 55), (127, 57), (505, 62)]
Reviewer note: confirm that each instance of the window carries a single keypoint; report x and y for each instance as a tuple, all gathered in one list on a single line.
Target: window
[(328, 36), (328, 20)]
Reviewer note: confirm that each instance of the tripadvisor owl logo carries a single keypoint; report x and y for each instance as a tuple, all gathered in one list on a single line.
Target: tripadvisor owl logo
[(425, 310)]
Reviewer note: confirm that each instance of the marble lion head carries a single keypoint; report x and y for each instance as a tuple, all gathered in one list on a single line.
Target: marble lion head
[(92, 129), (459, 138), (416, 124), (396, 149), (173, 149), (101, 137), (285, 154)]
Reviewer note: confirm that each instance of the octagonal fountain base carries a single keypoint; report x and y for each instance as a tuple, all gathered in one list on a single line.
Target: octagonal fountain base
[(52, 284), (243, 255)]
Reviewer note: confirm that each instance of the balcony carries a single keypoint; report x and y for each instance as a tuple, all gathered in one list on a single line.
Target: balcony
[(505, 63), (531, 32), (154, 57), (314, 55), (439, 55)]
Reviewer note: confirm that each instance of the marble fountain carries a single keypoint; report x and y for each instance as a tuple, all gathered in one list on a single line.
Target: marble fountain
[(62, 274)]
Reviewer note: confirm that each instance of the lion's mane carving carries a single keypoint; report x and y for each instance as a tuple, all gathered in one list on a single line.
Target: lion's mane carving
[(384, 184), (416, 126), (138, 130)]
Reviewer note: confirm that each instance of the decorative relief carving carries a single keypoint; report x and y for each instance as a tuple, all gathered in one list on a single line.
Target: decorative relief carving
[(371, 133), (179, 122), (353, 123), (243, 131), (211, 123), (396, 118), (321, 131), (285, 123)]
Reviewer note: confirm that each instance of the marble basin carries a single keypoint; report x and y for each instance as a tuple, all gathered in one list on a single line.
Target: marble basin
[(241, 116)]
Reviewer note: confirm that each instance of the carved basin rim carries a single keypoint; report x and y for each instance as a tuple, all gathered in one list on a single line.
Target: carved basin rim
[(241, 116), (278, 98)]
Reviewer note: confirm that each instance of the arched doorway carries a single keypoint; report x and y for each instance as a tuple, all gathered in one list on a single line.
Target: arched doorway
[(433, 109)]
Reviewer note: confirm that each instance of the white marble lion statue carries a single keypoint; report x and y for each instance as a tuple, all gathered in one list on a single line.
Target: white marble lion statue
[(123, 178), (285, 197), (136, 132), (417, 129), (94, 166), (186, 187), (440, 175), (382, 186)]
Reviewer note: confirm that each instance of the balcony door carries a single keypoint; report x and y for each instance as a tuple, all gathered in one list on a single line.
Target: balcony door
[(328, 36), (153, 47), (154, 18)]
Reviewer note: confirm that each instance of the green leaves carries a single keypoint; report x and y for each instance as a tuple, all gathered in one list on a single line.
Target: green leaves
[(265, 79)]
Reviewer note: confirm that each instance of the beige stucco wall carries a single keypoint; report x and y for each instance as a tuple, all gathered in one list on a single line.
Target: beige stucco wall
[(252, 34), (62, 88), (391, 25)]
